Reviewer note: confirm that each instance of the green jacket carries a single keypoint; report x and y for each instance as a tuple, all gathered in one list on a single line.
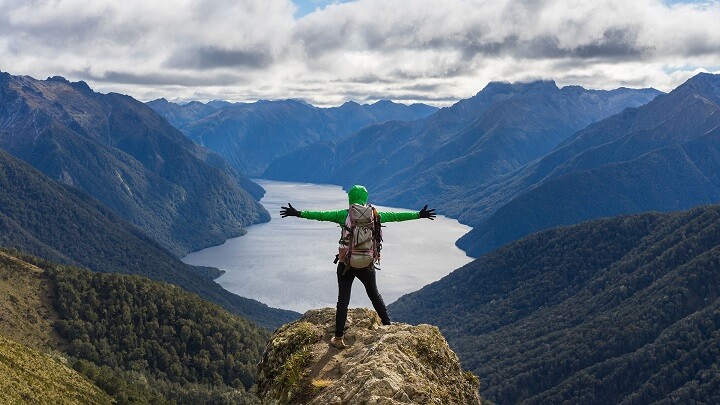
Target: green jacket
[(357, 195)]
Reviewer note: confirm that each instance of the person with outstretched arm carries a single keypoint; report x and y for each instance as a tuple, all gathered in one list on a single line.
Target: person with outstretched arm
[(350, 219)]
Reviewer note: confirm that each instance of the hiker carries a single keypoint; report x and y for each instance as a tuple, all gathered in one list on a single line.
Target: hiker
[(359, 251)]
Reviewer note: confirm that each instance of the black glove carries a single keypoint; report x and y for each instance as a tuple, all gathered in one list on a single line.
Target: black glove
[(426, 213), (289, 211)]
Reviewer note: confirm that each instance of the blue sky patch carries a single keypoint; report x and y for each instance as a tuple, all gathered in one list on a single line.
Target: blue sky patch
[(306, 7)]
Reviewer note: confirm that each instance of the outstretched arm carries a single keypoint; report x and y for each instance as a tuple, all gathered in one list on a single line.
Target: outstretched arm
[(330, 216), (389, 216), (338, 216)]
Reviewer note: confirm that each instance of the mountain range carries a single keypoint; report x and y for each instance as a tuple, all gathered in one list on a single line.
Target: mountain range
[(664, 156), (442, 160), (180, 115), (251, 135), (619, 310), (531, 160), (128, 157), (61, 223), (615, 310)]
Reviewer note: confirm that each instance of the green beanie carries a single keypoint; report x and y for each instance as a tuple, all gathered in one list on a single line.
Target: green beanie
[(358, 195)]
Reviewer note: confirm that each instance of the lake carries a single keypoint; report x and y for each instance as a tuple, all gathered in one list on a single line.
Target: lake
[(288, 262)]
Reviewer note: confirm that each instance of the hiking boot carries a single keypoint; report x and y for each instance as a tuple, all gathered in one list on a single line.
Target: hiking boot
[(337, 342)]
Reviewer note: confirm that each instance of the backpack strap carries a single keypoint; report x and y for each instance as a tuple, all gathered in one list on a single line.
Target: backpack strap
[(351, 232)]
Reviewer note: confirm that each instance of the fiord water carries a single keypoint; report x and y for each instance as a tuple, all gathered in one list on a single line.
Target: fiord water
[(287, 263)]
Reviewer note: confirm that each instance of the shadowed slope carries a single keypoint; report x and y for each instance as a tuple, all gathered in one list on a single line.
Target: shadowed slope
[(617, 310)]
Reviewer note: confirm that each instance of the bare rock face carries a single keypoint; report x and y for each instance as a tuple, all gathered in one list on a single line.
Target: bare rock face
[(395, 364)]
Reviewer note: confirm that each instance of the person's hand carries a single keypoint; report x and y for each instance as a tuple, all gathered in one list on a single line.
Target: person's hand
[(426, 213), (289, 211)]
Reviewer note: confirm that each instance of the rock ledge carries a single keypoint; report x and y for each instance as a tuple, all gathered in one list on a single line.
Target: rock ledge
[(396, 364)]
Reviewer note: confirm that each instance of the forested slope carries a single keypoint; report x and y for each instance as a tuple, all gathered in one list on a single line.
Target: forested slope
[(45, 218), (618, 310), (141, 341)]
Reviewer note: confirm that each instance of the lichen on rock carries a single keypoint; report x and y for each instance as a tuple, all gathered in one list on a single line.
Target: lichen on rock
[(393, 364)]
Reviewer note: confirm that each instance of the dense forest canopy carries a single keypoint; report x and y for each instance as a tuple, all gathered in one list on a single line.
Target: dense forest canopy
[(616, 310), (143, 341)]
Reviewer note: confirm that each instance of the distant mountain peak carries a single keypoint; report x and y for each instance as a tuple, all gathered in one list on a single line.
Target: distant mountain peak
[(535, 87), (504, 87), (705, 76), (705, 84), (58, 79), (496, 87), (82, 86), (544, 84), (299, 101), (220, 103), (79, 85)]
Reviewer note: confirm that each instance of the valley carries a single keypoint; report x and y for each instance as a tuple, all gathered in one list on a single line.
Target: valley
[(547, 175), (524, 164)]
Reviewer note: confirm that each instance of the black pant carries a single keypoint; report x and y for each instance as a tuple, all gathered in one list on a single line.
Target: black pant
[(367, 277)]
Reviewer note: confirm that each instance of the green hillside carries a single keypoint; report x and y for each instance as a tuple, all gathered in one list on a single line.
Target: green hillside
[(27, 373), (140, 341), (30, 377), (27, 313), (617, 310)]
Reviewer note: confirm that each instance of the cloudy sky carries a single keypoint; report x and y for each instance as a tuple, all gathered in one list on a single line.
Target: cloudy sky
[(328, 52)]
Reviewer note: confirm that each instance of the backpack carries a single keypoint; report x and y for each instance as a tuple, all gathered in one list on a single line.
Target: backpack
[(361, 238)]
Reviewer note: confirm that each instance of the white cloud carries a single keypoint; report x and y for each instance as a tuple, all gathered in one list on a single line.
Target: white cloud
[(424, 50)]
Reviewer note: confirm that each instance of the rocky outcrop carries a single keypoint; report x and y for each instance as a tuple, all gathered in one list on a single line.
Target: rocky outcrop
[(395, 364)]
